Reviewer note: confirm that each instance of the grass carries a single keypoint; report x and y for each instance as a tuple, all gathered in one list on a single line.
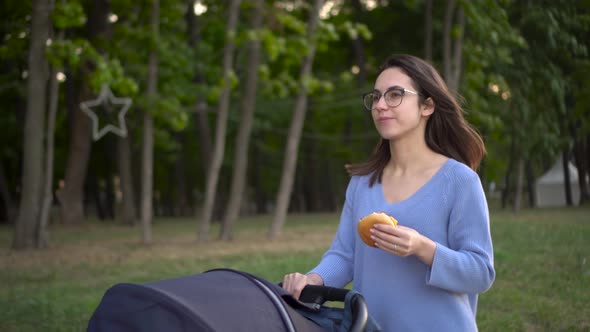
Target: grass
[(542, 259)]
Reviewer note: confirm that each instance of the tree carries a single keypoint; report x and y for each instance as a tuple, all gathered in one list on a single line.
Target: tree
[(147, 169), (243, 138), (128, 209), (453, 44), (27, 223), (221, 123), (71, 196), (47, 200), (290, 159), (428, 31)]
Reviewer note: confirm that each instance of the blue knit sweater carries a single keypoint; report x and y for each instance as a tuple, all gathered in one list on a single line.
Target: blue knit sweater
[(402, 293)]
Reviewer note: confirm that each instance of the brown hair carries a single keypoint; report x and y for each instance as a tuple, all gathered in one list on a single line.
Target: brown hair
[(447, 132)]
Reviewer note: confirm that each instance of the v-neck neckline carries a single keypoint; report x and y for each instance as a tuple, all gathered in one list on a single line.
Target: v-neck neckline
[(419, 192)]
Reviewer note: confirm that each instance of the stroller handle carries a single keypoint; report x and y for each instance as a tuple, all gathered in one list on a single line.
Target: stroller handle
[(320, 294)]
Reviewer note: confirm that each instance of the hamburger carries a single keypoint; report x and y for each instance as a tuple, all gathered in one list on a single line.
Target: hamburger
[(365, 224)]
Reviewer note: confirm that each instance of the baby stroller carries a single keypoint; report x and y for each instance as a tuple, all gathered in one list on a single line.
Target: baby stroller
[(223, 300)]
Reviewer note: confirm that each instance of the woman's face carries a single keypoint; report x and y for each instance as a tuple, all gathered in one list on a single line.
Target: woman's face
[(409, 117)]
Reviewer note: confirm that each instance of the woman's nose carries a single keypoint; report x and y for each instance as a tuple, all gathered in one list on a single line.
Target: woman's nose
[(380, 104)]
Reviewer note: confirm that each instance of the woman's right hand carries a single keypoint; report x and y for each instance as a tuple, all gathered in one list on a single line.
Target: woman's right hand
[(295, 282)]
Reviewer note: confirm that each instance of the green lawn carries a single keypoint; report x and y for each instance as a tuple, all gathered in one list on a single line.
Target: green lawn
[(542, 263)]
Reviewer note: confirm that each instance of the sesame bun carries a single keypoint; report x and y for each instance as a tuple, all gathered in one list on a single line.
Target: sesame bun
[(364, 226)]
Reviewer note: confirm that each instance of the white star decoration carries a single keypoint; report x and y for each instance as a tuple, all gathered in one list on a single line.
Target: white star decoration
[(109, 103)]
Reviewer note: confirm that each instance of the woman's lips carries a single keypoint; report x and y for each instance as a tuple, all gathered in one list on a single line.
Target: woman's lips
[(384, 119)]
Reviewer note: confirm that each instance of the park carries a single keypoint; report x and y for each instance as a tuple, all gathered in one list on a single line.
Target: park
[(151, 140)]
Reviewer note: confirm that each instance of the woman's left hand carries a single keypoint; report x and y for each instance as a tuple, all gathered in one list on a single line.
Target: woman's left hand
[(403, 241)]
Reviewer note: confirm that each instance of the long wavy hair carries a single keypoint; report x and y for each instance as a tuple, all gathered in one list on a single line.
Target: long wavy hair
[(447, 132)]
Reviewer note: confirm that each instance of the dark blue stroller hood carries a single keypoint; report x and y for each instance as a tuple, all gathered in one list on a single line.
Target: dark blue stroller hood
[(225, 300)]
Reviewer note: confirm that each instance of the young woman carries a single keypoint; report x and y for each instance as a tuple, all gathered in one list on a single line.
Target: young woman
[(425, 274)]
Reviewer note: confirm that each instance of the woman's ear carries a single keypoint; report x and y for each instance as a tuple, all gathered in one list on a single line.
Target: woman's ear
[(428, 107)]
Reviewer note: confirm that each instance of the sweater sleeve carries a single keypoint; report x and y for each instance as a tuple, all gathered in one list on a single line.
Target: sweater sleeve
[(467, 264), (336, 266)]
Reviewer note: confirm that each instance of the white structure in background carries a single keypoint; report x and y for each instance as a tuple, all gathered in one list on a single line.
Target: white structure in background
[(550, 186)]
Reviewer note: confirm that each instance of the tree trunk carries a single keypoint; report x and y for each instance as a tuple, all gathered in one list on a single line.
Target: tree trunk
[(180, 207), (290, 161), (428, 31), (27, 222), (519, 184), (447, 40), (566, 178), (128, 208), (200, 107), (221, 125), (581, 158), (260, 195), (452, 47), (9, 206), (508, 176), (358, 47), (71, 196), (240, 168), (457, 62), (42, 235), (360, 59), (530, 178), (147, 174)]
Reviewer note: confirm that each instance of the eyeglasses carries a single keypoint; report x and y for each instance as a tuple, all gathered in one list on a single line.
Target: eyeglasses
[(393, 97)]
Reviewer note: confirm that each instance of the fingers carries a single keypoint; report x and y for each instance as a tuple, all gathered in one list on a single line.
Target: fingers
[(294, 283), (395, 240)]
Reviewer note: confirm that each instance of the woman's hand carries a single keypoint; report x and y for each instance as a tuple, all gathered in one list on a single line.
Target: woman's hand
[(295, 282), (403, 241)]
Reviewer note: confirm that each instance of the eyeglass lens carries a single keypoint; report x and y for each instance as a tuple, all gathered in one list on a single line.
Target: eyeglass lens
[(392, 98)]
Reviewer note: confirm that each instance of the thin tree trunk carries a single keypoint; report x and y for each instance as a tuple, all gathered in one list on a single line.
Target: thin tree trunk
[(530, 178), (147, 173), (457, 65), (221, 125), (109, 189), (27, 222), (9, 204), (290, 161), (508, 175), (243, 139), (428, 31), (567, 178), (582, 164), (519, 184), (128, 208), (180, 207), (42, 235), (360, 59), (201, 119), (447, 40), (260, 195)]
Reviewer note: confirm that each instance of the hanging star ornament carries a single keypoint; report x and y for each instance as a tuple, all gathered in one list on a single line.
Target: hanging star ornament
[(110, 105)]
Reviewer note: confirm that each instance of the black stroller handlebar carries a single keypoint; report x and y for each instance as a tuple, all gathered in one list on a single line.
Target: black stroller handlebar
[(320, 294)]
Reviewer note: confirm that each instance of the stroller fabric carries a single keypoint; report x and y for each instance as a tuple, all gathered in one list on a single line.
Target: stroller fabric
[(217, 300)]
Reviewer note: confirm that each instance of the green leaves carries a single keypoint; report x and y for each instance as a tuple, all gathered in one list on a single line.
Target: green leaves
[(68, 14)]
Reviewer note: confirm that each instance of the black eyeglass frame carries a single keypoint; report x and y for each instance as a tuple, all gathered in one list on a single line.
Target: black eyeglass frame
[(403, 92)]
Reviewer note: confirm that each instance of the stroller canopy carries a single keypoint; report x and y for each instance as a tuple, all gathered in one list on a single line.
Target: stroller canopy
[(218, 300)]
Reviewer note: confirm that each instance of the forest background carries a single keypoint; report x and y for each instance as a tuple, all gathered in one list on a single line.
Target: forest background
[(254, 107)]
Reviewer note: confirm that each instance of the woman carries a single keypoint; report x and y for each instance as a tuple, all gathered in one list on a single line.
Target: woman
[(425, 274)]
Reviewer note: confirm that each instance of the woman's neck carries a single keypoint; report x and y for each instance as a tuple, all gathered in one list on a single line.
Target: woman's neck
[(411, 155)]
